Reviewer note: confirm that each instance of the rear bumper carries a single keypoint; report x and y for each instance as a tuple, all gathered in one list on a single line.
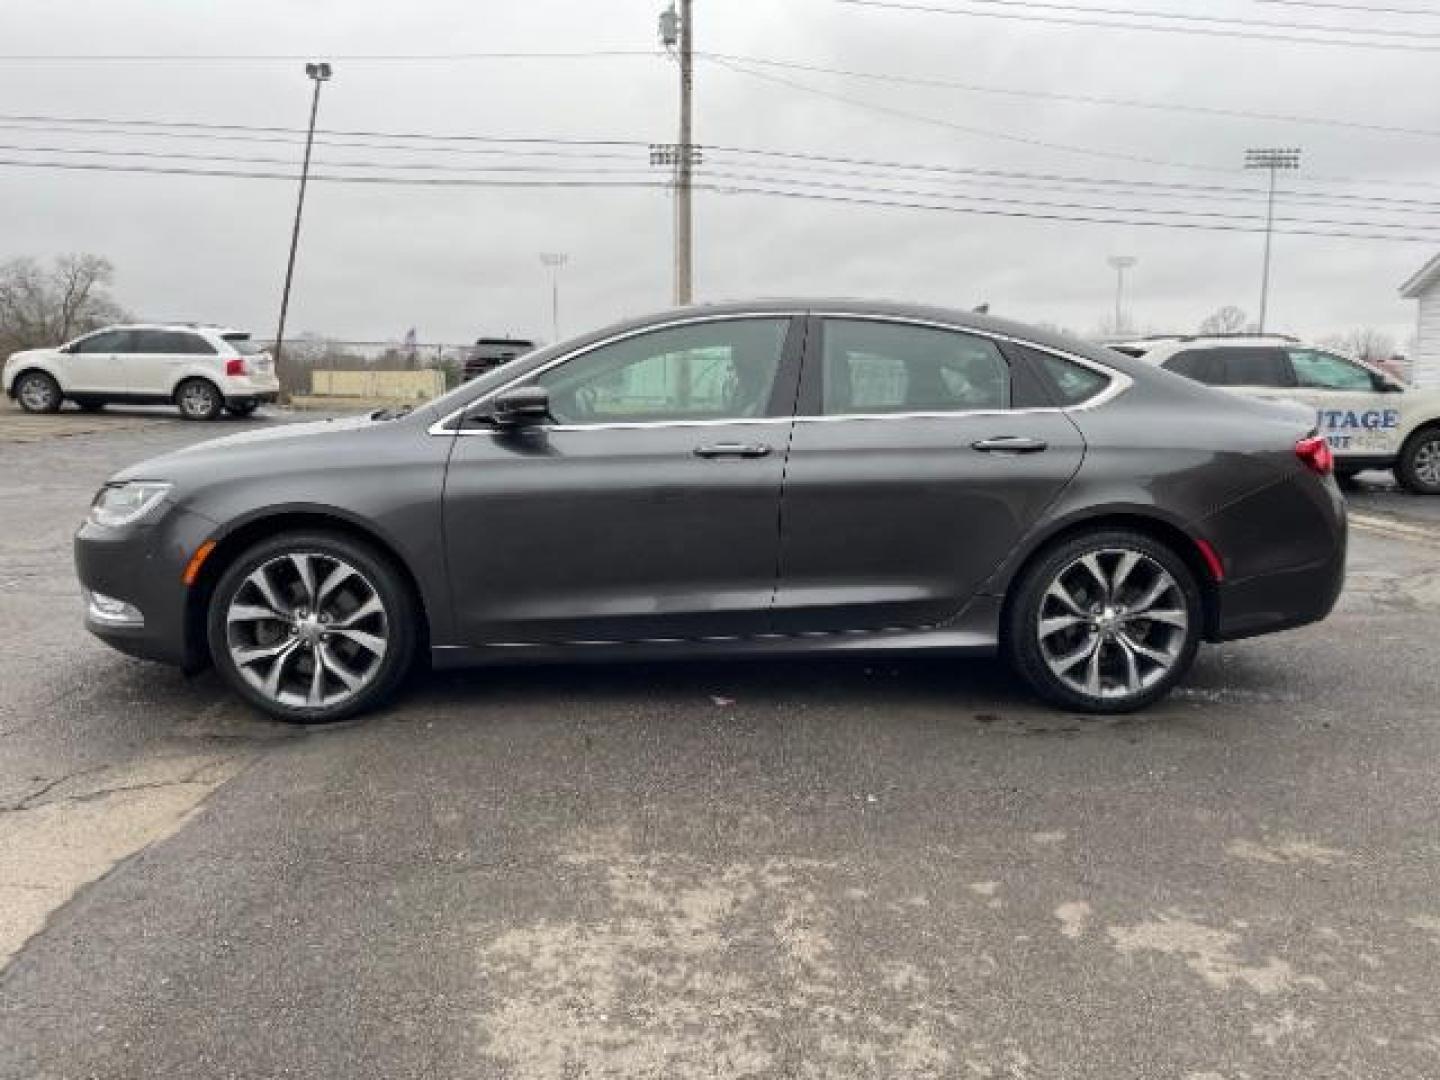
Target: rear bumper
[(1280, 595), (252, 397)]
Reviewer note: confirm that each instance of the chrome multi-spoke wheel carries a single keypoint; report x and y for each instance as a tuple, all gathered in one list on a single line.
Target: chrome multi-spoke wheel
[(310, 630), (1105, 622), (198, 399), (38, 392), (1112, 623), (1419, 466)]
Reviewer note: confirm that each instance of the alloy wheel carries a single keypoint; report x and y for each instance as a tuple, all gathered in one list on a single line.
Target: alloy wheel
[(197, 400), (307, 630), (37, 393), (1112, 623), (1426, 462)]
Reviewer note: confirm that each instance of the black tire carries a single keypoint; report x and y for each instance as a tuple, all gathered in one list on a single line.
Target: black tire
[(242, 409), (397, 623), (199, 399), (37, 392), (1418, 469), (1110, 625)]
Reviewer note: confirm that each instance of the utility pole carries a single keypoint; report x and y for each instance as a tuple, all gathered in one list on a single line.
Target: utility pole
[(1120, 263), (318, 73), (677, 29), (1271, 159), (553, 261)]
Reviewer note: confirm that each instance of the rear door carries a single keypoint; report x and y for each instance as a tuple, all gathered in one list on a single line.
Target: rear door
[(1355, 415), (159, 358), (648, 508), (921, 456), (96, 364)]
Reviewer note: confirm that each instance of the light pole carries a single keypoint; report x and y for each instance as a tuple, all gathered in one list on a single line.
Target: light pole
[(318, 73), (1271, 159), (1120, 263), (553, 261)]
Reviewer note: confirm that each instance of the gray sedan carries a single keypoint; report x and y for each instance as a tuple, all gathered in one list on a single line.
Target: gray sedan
[(747, 479)]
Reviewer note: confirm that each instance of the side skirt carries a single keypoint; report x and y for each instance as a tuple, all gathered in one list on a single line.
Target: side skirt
[(977, 634)]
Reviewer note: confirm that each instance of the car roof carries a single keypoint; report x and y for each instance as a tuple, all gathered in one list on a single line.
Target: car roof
[(190, 327)]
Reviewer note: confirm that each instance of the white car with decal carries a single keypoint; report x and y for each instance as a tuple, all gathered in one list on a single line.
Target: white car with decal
[(202, 370), (1371, 419)]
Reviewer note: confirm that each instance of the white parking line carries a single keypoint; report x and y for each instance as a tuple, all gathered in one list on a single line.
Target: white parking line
[(1384, 526)]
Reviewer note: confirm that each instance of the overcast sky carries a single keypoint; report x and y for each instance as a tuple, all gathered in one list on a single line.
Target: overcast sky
[(458, 262)]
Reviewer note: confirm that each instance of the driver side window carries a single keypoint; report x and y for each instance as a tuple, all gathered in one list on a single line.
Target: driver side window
[(1322, 371), (721, 370)]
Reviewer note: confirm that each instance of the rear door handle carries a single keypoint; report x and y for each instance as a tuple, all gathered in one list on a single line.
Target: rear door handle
[(1010, 444), (714, 450)]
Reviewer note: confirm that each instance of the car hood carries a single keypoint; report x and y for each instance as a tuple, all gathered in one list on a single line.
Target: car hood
[(215, 458), (29, 354)]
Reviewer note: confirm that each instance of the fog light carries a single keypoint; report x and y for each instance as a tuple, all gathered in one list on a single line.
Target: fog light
[(112, 612)]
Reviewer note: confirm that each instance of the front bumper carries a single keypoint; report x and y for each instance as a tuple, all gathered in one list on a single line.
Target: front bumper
[(142, 565)]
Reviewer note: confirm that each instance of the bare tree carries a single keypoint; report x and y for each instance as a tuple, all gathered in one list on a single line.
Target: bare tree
[(40, 306), (1363, 343), (1226, 320)]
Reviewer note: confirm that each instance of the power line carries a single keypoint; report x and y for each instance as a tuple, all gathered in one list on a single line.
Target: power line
[(1083, 99), (1029, 15), (613, 149), (289, 58), (1362, 8), (746, 185), (964, 129), (996, 178), (1022, 139)]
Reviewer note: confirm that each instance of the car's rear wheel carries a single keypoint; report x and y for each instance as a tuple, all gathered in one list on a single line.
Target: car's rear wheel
[(1105, 622), (1418, 469), (198, 399), (38, 393), (313, 627)]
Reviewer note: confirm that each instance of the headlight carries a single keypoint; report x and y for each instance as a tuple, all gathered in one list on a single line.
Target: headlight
[(122, 504)]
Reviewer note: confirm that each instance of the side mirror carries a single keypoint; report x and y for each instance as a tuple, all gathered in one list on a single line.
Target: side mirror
[(520, 405)]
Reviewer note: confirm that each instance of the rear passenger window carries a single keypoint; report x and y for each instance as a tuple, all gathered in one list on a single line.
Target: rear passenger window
[(1074, 384), (885, 367), (1195, 364), (172, 342), (1234, 366)]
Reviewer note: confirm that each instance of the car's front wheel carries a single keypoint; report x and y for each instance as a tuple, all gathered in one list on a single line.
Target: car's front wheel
[(38, 393), (313, 627), (1418, 469), (1105, 622), (198, 399)]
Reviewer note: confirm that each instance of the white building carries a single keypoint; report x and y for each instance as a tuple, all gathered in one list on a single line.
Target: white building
[(1424, 287)]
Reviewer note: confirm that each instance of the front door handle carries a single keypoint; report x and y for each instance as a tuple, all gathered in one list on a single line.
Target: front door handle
[(1010, 444), (714, 450)]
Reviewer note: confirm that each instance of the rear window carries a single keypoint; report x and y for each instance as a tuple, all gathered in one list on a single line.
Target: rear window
[(242, 344)]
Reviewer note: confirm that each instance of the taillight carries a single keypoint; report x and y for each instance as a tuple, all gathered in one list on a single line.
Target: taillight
[(1316, 454), (235, 366)]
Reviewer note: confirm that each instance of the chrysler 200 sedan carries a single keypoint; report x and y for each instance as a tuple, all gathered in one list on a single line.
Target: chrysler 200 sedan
[(738, 480)]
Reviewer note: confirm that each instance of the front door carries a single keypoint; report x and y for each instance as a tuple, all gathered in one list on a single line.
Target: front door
[(649, 507), (912, 477), (96, 364), (1355, 414)]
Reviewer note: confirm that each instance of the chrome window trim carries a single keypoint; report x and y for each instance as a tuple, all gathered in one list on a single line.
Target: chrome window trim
[(1119, 381)]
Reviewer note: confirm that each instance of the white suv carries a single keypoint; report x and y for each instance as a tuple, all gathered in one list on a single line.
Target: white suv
[(202, 370), (1370, 419)]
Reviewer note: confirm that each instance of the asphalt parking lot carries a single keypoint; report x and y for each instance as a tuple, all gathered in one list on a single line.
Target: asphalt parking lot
[(827, 869)]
